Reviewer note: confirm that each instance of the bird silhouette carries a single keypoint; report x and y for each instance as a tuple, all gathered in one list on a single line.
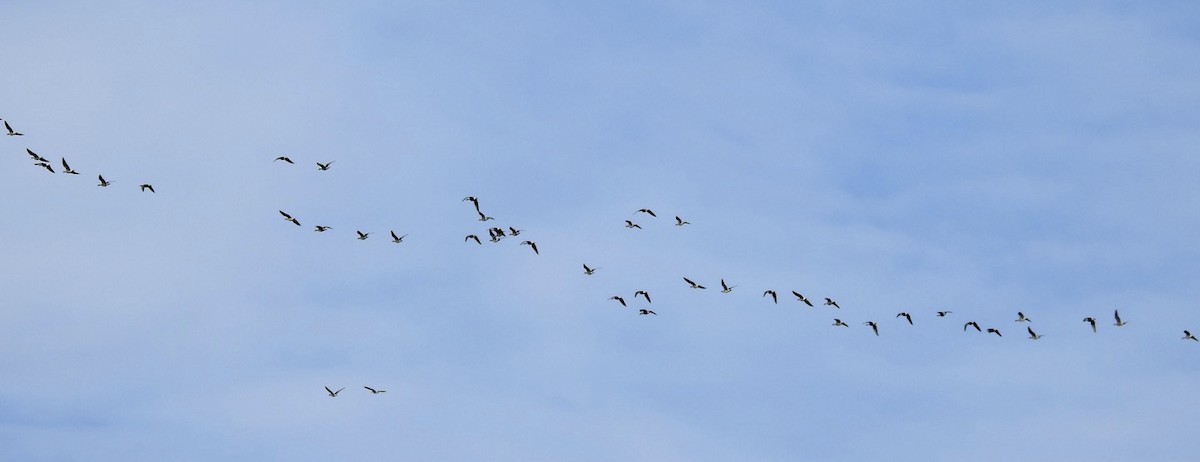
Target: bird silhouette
[(994, 331), (1032, 335), (647, 212), (644, 294), (644, 311), (146, 186), (680, 222), (531, 245), (619, 299), (36, 158), (361, 235), (397, 239), (726, 288), (321, 229), (1092, 321), (103, 183), (333, 394), (1021, 317), (287, 217), (838, 322), (588, 270), (1119, 322), (483, 217), (10, 130), (906, 316), (1188, 336), (45, 165), (972, 324), (514, 231), (774, 298), (374, 391), (67, 168), (829, 301), (693, 284), (942, 314), (283, 158), (325, 166), (474, 200), (630, 224), (472, 236), (802, 298), (874, 327)]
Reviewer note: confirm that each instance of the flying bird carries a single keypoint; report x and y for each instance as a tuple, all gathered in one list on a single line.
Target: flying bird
[(325, 166), (619, 299), (287, 217), (648, 212), (942, 314), (531, 245), (644, 311), (397, 239), (588, 270), (630, 224), (321, 229), (473, 200), (726, 288), (644, 294), (374, 391), (774, 297), (874, 327), (994, 331), (103, 183), (680, 222), (1021, 317), (333, 394), (838, 322), (829, 301), (483, 217), (283, 158), (10, 130), (1092, 321), (146, 186), (1032, 335), (802, 298), (1119, 322), (67, 168), (693, 284), (906, 316), (514, 231), (36, 158), (1188, 336), (45, 165), (472, 236), (361, 235), (972, 324)]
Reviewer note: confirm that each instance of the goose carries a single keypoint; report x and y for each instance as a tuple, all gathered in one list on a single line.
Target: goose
[(726, 288), (1188, 336), (145, 186), (321, 229), (942, 314), (972, 324), (374, 391), (531, 245), (397, 239), (680, 222), (361, 235), (10, 130), (472, 236), (36, 158), (693, 284), (1021, 317), (1119, 322), (45, 165), (619, 299), (829, 301), (287, 217), (874, 327), (514, 231), (992, 330), (283, 158), (644, 294), (67, 168), (588, 270), (1092, 321), (103, 183), (774, 297), (474, 200), (644, 311), (1032, 335), (838, 322), (325, 166), (333, 394), (647, 212), (802, 298), (483, 217), (630, 224), (906, 316)]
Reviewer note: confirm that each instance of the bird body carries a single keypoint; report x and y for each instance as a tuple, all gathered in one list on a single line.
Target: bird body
[(146, 186), (374, 391), (287, 217), (1188, 336), (283, 158), (1032, 335), (838, 322), (10, 130), (644, 311), (802, 298), (619, 299), (774, 297), (325, 166), (472, 236), (67, 168), (1021, 317), (1119, 322), (103, 183), (36, 158), (693, 284), (647, 212), (906, 316), (829, 301), (972, 324), (680, 222), (874, 327), (726, 288), (397, 239), (531, 245), (361, 235), (321, 229), (644, 294), (588, 270), (630, 224), (45, 165), (1092, 321), (333, 394), (994, 331), (942, 314)]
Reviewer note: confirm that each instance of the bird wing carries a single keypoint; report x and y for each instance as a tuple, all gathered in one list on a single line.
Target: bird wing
[(372, 389)]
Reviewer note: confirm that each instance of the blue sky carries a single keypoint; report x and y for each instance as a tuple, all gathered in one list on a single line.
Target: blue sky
[(985, 159)]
